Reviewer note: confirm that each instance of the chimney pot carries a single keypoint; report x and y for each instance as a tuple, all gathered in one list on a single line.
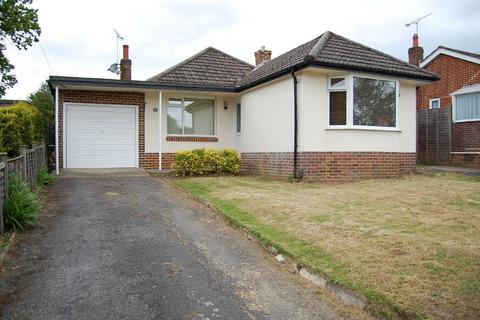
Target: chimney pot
[(262, 55), (125, 51), (125, 65)]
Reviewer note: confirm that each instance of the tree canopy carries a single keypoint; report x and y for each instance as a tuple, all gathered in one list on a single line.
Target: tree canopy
[(19, 25)]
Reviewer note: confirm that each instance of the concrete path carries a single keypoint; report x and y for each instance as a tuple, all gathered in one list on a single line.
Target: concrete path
[(132, 247), (472, 172)]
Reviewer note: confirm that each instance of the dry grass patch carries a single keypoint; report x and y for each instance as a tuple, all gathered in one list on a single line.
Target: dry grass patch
[(414, 241)]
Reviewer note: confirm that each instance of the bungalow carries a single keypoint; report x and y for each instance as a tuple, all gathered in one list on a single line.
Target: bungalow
[(330, 109)]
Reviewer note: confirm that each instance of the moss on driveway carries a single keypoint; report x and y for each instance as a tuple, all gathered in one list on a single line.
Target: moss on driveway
[(409, 245)]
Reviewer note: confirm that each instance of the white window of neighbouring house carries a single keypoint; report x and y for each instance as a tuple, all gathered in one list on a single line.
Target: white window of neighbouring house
[(362, 102), (466, 107), (338, 101), (191, 116), (434, 103), (239, 117)]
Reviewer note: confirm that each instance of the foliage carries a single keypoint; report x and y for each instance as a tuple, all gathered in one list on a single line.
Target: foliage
[(18, 24), (206, 161), (44, 177), (21, 206), (42, 99), (18, 126)]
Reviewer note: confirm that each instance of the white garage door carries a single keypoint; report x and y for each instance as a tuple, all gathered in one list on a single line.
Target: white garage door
[(100, 136)]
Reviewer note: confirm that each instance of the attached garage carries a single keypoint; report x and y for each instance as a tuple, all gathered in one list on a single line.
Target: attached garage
[(100, 136)]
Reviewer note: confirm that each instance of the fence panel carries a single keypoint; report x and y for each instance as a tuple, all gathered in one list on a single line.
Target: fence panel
[(25, 167), (434, 135)]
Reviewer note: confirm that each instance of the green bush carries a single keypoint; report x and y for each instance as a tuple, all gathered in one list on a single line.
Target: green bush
[(44, 177), (19, 125), (199, 162), (21, 206)]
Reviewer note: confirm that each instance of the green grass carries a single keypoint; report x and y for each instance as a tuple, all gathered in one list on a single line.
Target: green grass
[(44, 177), (21, 206), (303, 252)]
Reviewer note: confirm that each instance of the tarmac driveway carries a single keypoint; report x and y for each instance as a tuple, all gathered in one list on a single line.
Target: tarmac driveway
[(128, 246)]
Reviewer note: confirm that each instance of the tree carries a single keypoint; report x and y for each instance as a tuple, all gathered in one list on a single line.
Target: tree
[(43, 101), (18, 24)]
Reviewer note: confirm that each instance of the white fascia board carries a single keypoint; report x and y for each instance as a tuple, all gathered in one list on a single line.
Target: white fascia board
[(447, 52)]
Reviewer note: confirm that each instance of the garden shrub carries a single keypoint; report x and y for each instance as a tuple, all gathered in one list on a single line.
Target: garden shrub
[(19, 125), (206, 161), (21, 206), (44, 177)]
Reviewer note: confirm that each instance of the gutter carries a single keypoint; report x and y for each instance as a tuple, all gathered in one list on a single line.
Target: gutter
[(295, 125)]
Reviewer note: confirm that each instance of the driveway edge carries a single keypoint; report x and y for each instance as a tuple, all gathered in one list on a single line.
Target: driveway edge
[(10, 240), (346, 295)]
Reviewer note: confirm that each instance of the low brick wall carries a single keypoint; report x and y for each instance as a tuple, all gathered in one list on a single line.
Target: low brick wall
[(465, 159), (331, 166), (465, 135)]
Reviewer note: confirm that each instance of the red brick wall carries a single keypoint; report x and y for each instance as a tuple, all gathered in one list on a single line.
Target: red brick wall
[(466, 159), (454, 74), (146, 160), (331, 166), (465, 135)]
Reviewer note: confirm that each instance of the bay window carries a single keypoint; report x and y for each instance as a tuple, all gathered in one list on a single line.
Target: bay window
[(191, 116), (361, 102)]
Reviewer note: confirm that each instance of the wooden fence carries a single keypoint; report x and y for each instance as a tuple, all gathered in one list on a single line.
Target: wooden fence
[(434, 131), (25, 167)]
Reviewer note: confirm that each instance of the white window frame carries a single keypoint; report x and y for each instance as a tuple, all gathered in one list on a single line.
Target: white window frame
[(349, 89), (431, 101), (214, 135), (454, 98)]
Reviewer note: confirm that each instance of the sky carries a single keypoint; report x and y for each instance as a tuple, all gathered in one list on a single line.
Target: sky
[(78, 38)]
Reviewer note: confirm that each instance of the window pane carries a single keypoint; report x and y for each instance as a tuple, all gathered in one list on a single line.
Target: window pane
[(467, 106), (434, 104), (174, 124), (198, 116), (338, 108), (374, 102), (339, 83), (239, 117)]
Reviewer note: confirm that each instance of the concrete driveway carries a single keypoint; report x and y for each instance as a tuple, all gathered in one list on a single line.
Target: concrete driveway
[(127, 246)]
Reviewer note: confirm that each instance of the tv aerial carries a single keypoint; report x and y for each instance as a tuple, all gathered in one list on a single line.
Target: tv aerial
[(416, 22), (115, 67)]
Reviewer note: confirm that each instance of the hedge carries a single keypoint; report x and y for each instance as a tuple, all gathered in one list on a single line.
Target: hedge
[(199, 162), (19, 125)]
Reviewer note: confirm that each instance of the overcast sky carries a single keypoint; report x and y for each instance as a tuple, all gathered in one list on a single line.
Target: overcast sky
[(78, 39)]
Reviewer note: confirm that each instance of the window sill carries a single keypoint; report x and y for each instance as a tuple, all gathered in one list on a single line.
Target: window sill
[(192, 138), (363, 128), (468, 120)]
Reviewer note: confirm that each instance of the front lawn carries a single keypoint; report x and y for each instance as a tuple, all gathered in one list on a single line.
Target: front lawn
[(411, 246)]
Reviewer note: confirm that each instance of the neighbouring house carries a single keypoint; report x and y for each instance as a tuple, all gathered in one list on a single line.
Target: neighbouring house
[(9, 102), (330, 109), (457, 96)]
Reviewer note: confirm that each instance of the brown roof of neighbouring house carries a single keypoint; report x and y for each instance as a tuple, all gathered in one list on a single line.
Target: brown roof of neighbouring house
[(209, 67), (470, 54)]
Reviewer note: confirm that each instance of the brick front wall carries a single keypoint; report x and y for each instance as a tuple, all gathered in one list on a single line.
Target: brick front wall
[(331, 166), (146, 160), (454, 74), (471, 159), (465, 136)]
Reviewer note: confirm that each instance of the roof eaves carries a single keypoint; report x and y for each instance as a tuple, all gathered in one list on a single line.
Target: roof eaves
[(99, 82)]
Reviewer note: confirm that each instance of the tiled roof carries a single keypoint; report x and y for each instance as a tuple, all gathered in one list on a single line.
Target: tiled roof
[(212, 67), (332, 50), (209, 67)]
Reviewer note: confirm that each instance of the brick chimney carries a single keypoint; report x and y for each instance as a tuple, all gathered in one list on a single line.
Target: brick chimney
[(415, 53), (125, 65), (262, 55)]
